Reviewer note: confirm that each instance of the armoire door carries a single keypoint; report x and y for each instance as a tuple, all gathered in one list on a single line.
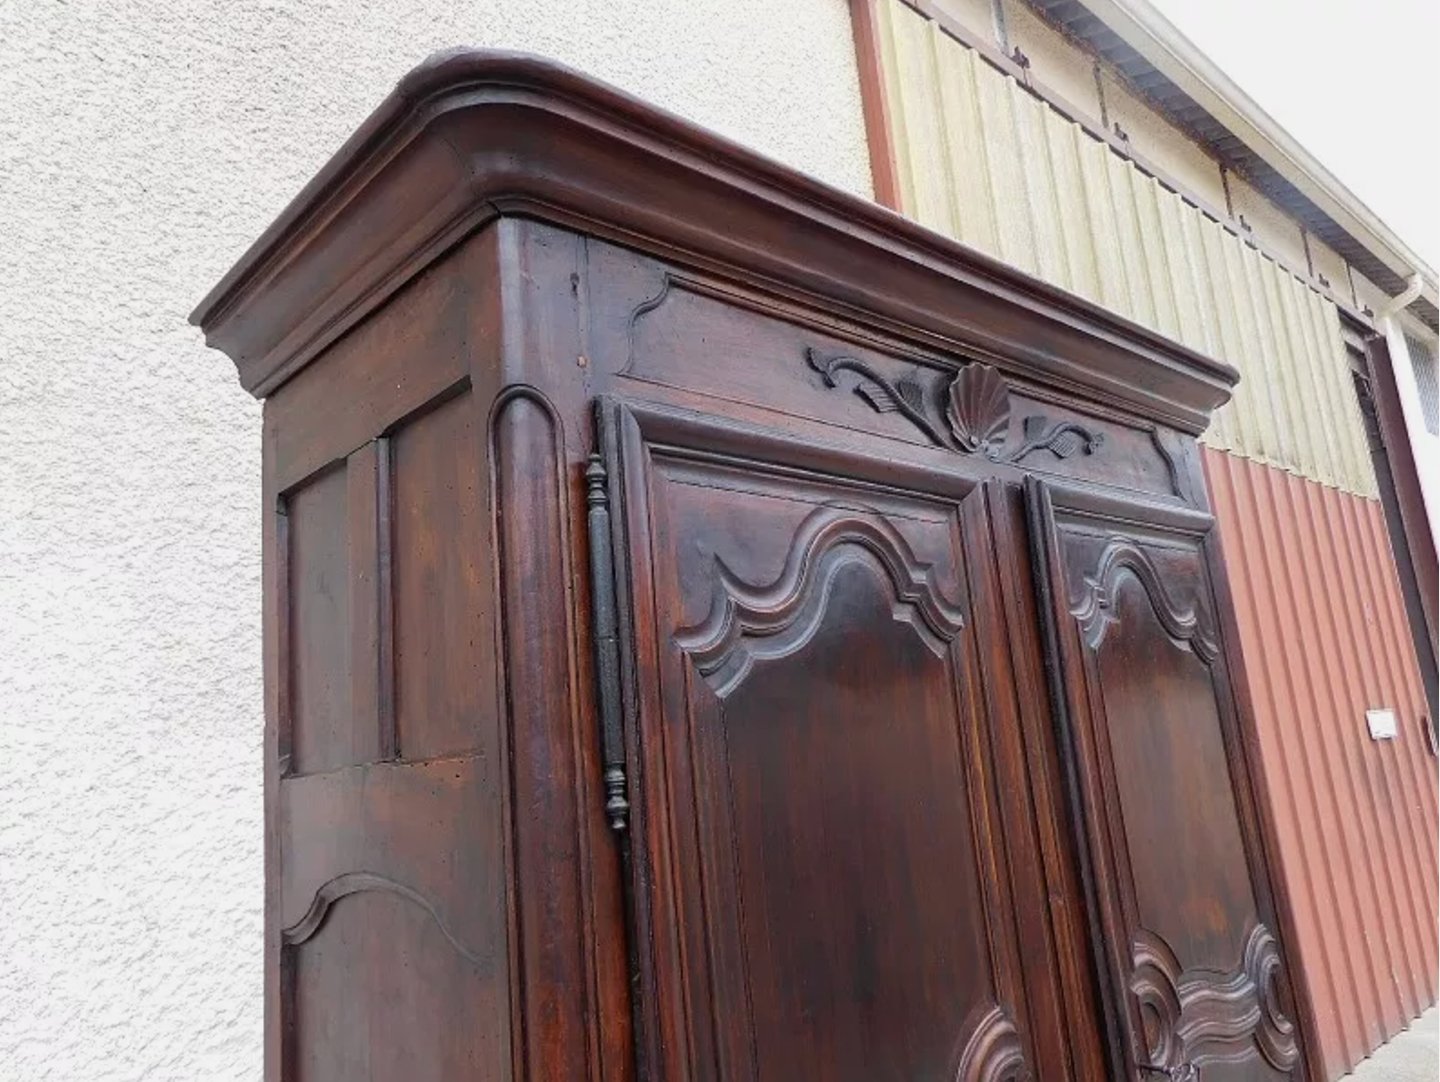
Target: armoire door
[(825, 775), (1196, 984)]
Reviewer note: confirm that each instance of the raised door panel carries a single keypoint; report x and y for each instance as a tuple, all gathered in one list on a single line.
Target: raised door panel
[(1178, 885), (823, 876)]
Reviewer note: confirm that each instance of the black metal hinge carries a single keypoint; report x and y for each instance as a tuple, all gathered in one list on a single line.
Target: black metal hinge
[(604, 624)]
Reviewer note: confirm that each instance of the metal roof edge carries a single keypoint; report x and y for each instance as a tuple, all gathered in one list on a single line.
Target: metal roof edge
[(1172, 54)]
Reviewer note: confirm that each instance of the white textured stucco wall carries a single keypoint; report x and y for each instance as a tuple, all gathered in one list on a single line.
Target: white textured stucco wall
[(143, 144)]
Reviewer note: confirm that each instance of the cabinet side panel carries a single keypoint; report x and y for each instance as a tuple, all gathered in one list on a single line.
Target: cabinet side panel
[(387, 870)]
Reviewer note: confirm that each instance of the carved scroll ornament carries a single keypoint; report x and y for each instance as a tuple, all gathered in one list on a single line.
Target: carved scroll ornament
[(975, 411), (993, 1052), (1196, 1017)]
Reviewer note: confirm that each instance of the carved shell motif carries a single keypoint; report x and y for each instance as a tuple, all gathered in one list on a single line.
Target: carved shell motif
[(978, 410), (975, 404)]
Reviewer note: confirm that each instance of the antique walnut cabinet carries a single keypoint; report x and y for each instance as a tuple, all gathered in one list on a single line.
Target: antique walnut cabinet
[(718, 629)]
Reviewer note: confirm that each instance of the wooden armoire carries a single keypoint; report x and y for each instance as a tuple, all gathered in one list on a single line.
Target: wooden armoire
[(718, 629)]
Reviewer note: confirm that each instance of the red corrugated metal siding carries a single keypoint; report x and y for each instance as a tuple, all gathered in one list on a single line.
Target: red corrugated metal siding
[(1323, 630)]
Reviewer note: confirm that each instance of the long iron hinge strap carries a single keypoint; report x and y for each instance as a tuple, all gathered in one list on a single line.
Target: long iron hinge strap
[(607, 644)]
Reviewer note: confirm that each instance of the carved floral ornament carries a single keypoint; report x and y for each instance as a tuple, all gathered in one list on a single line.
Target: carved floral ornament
[(975, 408)]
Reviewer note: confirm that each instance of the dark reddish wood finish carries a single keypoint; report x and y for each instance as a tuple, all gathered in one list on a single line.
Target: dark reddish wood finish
[(616, 477), (1187, 925)]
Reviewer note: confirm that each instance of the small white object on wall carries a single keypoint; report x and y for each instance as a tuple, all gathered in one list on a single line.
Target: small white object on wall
[(1382, 724)]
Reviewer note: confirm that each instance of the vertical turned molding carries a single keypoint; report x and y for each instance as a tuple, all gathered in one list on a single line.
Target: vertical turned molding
[(279, 675), (529, 491), (361, 514)]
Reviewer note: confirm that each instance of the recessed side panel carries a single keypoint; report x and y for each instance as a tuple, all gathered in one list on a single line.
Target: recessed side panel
[(390, 892), (368, 1029), (393, 959), (823, 868), (442, 582), (388, 863), (1196, 975), (317, 538)]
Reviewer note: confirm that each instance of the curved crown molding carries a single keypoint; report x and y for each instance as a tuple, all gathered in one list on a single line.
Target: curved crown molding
[(471, 136)]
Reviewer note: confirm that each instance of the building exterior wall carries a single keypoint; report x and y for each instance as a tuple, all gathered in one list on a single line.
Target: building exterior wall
[(987, 162), (1159, 141), (143, 145), (981, 157), (1322, 627), (1052, 58)]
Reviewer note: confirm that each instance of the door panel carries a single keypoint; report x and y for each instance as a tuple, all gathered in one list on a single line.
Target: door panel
[(823, 884), (1193, 967)]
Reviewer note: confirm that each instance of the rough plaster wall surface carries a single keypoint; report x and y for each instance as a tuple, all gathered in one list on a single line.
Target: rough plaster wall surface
[(143, 145)]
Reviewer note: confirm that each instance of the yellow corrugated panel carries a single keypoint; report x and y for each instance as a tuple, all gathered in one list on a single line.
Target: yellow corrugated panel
[(1223, 326), (1095, 170), (1253, 412), (1130, 246), (1358, 466), (1146, 194), (1285, 390), (1318, 415), (1307, 313), (985, 161), (1007, 176), (1039, 188), (1181, 241), (913, 83), (968, 166), (1067, 143)]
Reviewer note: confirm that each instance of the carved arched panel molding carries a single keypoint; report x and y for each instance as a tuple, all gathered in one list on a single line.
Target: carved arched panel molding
[(1199, 1017), (749, 622), (1095, 608), (993, 1051), (342, 886)]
